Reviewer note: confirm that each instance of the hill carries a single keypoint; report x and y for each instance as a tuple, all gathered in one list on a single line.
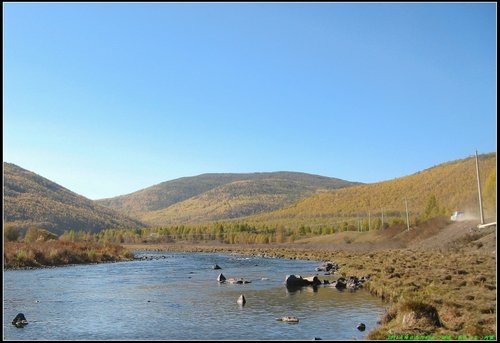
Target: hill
[(210, 197), (438, 190), (297, 204), (31, 200)]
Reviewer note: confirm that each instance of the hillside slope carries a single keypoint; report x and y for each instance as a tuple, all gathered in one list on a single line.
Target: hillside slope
[(437, 233), (452, 184), (30, 199), (233, 200), (219, 196), (285, 200)]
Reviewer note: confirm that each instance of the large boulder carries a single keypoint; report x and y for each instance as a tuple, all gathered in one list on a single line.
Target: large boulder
[(298, 281), (340, 283), (295, 281), (313, 280)]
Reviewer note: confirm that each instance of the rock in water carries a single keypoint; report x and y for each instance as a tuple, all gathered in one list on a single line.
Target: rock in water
[(361, 327), (241, 300), (20, 320), (289, 319)]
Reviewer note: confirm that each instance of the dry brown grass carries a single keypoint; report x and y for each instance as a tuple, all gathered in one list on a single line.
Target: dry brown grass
[(56, 253)]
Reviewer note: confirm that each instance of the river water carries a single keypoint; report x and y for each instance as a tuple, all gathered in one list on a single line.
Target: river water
[(176, 296)]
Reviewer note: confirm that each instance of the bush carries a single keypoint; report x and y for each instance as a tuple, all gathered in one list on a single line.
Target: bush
[(10, 233)]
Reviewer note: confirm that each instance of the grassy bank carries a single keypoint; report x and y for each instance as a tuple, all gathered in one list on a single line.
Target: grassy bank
[(57, 253), (435, 294)]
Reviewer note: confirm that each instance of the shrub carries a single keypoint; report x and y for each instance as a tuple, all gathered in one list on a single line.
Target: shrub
[(92, 255), (10, 233)]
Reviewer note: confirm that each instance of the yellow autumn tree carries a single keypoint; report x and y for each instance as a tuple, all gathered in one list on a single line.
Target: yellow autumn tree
[(490, 187)]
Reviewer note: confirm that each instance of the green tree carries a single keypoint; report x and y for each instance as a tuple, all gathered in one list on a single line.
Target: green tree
[(432, 208), (377, 224), (280, 234), (68, 236), (31, 235)]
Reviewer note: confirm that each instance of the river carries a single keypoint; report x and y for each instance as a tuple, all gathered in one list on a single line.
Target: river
[(176, 296)]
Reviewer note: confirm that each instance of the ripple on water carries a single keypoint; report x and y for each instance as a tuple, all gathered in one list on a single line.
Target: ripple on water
[(178, 297)]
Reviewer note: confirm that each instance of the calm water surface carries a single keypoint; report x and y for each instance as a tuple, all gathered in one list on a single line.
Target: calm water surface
[(176, 296)]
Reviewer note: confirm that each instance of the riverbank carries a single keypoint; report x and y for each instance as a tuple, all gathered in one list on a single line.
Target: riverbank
[(442, 293), (439, 279), (18, 255)]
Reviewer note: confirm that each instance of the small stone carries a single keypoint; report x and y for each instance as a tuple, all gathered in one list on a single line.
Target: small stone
[(241, 300), (289, 319), (20, 320)]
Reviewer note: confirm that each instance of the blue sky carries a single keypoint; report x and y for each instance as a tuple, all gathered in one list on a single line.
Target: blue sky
[(108, 98)]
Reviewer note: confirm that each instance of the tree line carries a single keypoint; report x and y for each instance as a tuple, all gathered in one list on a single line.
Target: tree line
[(227, 232)]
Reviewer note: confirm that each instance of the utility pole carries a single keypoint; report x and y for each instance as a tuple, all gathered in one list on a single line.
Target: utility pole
[(369, 222), (382, 218), (407, 219), (479, 191)]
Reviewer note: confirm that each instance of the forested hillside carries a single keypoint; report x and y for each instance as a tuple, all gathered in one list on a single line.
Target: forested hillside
[(438, 190), (31, 200), (234, 200), (280, 204), (219, 196)]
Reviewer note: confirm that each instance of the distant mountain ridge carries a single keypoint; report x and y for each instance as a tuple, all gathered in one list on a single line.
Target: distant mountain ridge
[(32, 200), (219, 196), (273, 199), (234, 200)]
